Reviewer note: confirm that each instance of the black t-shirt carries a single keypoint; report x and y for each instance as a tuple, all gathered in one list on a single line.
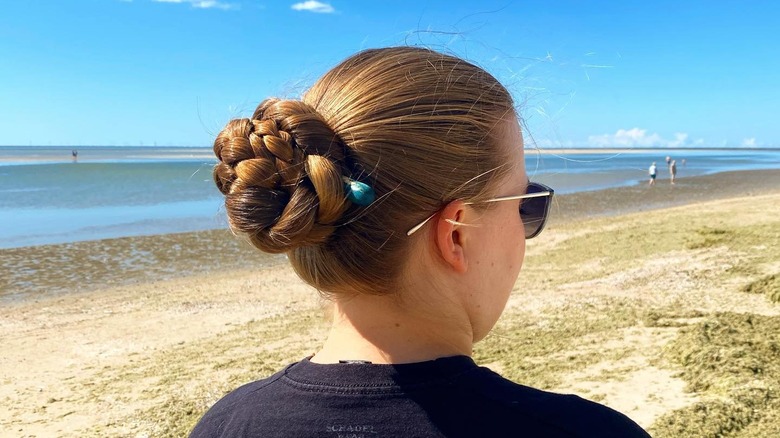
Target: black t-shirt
[(448, 397)]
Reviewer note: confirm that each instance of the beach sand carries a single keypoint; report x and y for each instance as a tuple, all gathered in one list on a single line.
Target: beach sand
[(138, 336)]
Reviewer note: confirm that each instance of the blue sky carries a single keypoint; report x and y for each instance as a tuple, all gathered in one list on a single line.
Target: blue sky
[(585, 73)]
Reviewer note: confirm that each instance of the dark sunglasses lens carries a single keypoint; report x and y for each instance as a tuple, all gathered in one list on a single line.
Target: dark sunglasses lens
[(533, 211)]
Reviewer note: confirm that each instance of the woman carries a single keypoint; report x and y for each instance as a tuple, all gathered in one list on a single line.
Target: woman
[(397, 188)]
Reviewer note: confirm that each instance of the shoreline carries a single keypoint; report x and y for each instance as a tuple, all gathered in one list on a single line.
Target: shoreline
[(687, 190), (78, 267)]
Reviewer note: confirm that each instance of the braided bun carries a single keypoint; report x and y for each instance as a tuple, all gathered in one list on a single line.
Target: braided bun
[(282, 176)]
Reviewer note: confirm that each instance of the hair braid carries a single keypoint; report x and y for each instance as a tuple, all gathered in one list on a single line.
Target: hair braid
[(282, 176)]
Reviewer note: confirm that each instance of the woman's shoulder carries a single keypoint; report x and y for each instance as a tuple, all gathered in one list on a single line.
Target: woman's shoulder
[(565, 412), (239, 406)]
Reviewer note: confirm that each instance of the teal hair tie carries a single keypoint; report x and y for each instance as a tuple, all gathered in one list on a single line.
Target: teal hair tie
[(359, 193)]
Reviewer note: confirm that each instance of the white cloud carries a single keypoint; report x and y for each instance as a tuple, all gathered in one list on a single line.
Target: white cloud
[(634, 137), (203, 4), (749, 142), (680, 140), (639, 138), (314, 6)]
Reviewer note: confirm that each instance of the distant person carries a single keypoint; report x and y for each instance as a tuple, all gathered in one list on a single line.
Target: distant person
[(673, 170), (75, 155), (652, 171), (668, 160), (397, 187), (683, 162)]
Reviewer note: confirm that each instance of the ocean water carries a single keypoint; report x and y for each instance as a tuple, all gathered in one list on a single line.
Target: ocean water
[(576, 172), (47, 197)]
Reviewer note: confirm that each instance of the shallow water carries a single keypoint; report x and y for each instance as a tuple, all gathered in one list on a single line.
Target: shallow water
[(570, 173), (46, 197)]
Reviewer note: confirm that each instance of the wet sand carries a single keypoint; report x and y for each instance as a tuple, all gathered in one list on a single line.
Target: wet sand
[(643, 197), (79, 322), (50, 270)]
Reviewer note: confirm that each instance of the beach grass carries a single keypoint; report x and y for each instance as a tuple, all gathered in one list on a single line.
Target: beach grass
[(733, 361), (769, 285), (730, 360), (670, 316)]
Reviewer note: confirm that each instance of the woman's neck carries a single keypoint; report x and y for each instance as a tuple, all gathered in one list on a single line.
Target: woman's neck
[(385, 329)]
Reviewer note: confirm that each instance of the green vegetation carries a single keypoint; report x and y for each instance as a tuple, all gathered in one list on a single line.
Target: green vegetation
[(733, 361), (769, 285), (607, 246), (707, 237), (540, 351)]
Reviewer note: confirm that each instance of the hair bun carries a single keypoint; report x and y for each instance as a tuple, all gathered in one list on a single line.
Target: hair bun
[(282, 176)]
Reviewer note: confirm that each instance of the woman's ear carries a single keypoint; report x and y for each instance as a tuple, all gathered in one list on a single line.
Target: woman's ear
[(449, 236)]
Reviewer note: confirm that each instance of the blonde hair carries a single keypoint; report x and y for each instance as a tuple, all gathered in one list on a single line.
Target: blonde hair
[(418, 126)]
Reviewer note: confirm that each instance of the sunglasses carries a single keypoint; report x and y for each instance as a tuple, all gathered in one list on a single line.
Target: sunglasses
[(533, 210)]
